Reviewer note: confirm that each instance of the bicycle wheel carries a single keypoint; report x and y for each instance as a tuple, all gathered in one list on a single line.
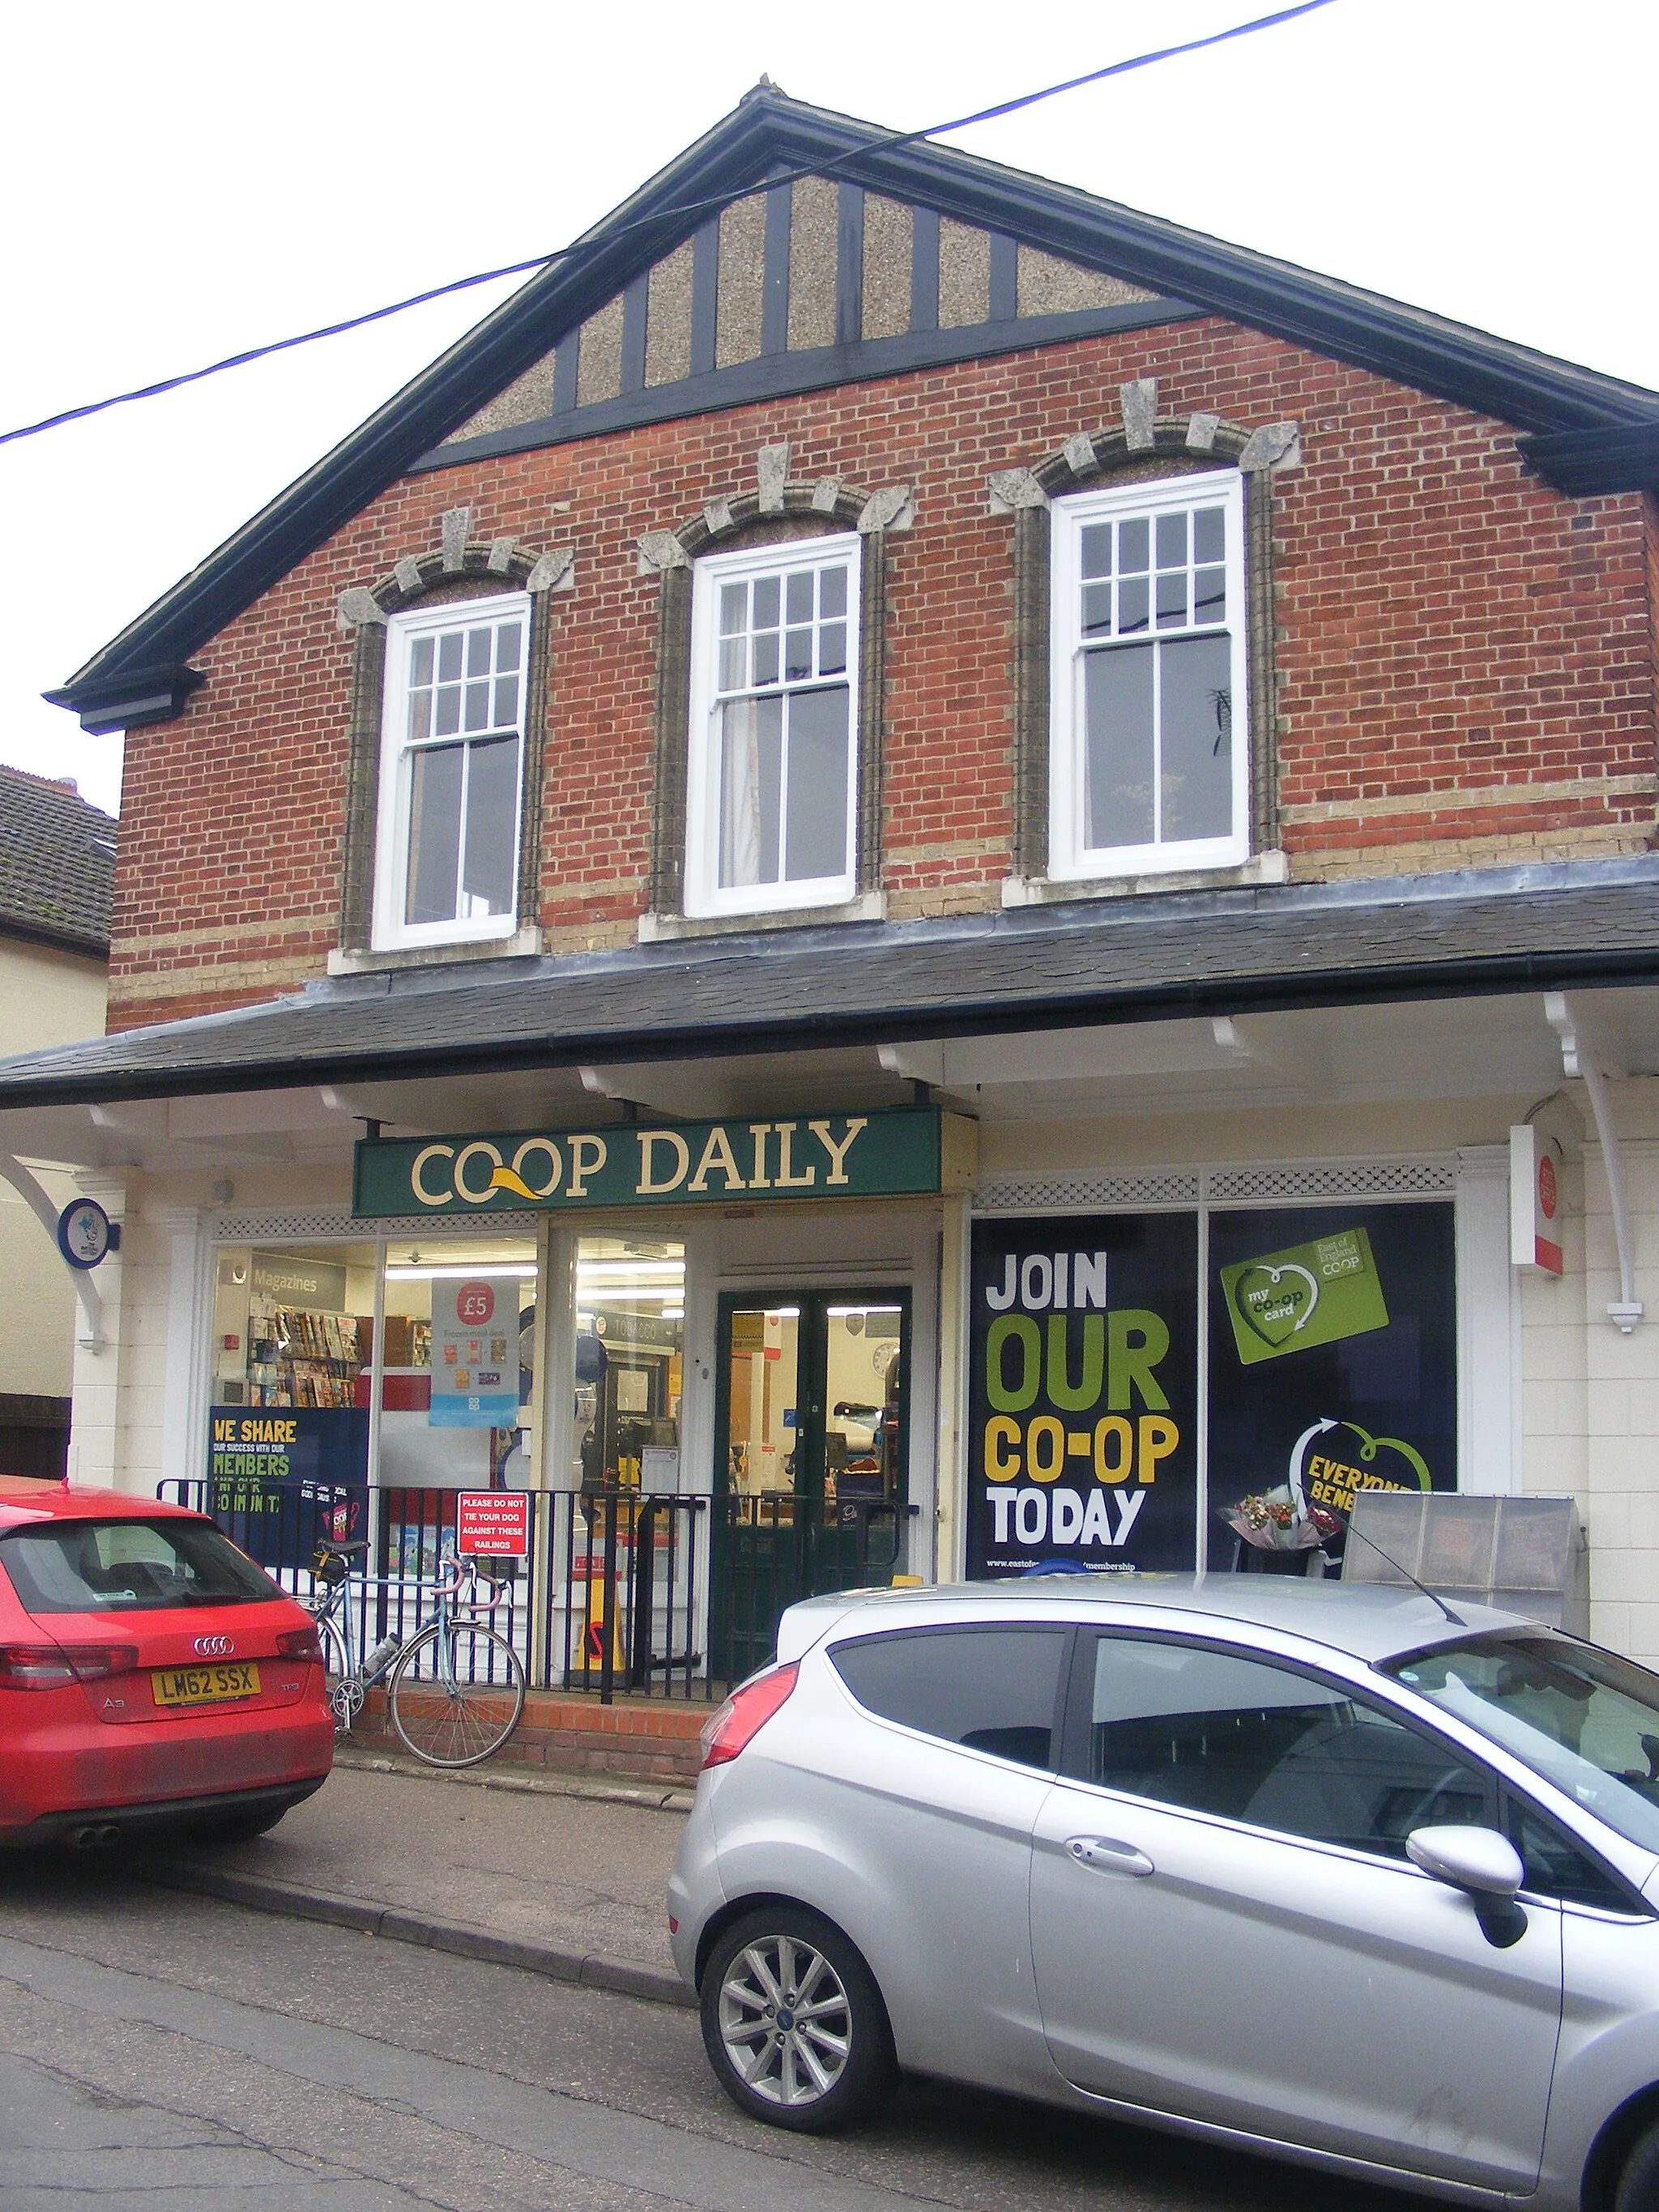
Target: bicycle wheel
[(456, 1726)]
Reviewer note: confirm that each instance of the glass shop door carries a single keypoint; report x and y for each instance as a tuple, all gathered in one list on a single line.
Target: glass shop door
[(811, 1457)]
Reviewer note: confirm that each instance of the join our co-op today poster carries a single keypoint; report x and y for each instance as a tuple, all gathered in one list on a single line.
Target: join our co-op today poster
[(1331, 1367)]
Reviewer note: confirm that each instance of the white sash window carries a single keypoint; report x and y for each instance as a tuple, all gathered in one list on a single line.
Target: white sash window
[(1149, 763), (452, 771), (772, 786)]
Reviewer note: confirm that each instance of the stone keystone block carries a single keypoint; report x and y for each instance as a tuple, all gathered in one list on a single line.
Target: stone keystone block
[(359, 606), (1274, 445), (891, 508), (1200, 433), (660, 550), (454, 528), (1079, 452), (501, 551), (408, 572), (772, 470), (1139, 403), (717, 517), (825, 492), (1010, 490), (553, 572)]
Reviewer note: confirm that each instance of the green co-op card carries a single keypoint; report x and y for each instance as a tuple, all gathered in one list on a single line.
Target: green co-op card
[(1312, 1294)]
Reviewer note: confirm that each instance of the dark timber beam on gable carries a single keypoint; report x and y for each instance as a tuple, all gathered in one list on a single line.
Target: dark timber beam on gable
[(782, 374)]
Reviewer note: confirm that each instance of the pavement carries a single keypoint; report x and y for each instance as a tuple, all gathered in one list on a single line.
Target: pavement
[(565, 1878)]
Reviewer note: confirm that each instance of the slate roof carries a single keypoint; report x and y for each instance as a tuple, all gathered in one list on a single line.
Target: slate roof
[(1096, 961), (1611, 426), (57, 864)]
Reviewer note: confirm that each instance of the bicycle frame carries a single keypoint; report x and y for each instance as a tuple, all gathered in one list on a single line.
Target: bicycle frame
[(457, 1603)]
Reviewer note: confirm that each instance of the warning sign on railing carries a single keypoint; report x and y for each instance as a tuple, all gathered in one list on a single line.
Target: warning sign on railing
[(495, 1522)]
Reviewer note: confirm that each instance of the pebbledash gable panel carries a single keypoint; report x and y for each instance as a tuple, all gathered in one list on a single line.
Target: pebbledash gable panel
[(795, 287)]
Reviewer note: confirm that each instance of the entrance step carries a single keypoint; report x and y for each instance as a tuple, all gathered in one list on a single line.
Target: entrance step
[(648, 1739)]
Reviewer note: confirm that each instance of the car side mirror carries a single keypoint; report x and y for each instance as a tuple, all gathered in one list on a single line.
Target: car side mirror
[(1482, 1864)]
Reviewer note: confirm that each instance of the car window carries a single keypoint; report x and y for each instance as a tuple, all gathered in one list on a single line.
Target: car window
[(1251, 1741), (988, 1689), (1587, 1721), (1557, 1867), (128, 1566)]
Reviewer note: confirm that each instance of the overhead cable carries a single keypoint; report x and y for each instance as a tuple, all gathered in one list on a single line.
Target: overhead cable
[(659, 216)]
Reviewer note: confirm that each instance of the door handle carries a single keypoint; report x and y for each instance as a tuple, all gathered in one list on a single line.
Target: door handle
[(1111, 1855)]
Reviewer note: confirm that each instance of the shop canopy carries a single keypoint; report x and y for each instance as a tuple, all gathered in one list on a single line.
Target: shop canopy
[(1083, 963)]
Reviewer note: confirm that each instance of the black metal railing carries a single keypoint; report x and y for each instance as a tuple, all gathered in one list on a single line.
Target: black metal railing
[(621, 1592), (628, 1579)]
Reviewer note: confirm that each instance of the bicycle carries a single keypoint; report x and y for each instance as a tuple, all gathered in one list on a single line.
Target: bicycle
[(455, 1689)]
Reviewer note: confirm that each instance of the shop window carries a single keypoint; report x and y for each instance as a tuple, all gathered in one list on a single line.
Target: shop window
[(987, 1689), (773, 759), (286, 1448), (628, 1366), (452, 772), (457, 1388), (1149, 767)]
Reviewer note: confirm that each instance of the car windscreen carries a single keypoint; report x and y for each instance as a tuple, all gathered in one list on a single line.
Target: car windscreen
[(129, 1566), (1585, 1720)]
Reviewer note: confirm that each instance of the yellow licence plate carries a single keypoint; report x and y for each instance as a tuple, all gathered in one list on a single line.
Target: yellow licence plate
[(205, 1686)]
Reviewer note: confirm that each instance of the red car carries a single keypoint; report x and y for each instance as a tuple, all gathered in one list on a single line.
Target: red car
[(151, 1674)]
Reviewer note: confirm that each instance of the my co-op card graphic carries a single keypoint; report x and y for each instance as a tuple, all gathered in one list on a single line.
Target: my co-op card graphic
[(1312, 1294)]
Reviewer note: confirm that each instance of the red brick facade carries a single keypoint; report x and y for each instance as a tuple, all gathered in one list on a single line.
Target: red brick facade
[(1466, 662)]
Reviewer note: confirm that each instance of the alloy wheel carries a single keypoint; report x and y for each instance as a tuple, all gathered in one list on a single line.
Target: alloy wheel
[(785, 2020)]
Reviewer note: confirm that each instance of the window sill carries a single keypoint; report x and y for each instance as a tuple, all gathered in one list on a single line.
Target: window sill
[(1048, 890), (657, 928), (520, 945)]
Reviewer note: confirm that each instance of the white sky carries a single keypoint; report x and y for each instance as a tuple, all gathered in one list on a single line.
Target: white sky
[(183, 181)]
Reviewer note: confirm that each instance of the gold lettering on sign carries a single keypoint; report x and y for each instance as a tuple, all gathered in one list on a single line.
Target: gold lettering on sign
[(837, 1152), (429, 1153), (760, 1131), (717, 1155), (786, 1180), (650, 1185), (587, 1157)]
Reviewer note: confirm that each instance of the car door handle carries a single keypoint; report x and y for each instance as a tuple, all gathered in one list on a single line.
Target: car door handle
[(1111, 1855)]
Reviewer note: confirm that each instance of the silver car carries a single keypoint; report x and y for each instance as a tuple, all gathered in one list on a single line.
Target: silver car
[(1340, 1874)]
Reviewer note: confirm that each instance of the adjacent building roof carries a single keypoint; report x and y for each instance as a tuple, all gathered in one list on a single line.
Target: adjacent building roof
[(57, 864), (1096, 961), (142, 675)]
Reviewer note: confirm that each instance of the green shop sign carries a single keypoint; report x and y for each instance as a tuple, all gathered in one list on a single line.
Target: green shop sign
[(906, 1151)]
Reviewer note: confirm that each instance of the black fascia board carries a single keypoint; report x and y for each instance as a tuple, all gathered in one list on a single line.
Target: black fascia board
[(1531, 391), (1582, 463)]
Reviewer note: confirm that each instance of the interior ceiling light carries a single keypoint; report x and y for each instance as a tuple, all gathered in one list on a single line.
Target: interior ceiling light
[(523, 1270)]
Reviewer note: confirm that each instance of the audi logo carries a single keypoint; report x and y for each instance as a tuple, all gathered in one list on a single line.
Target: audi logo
[(213, 1647)]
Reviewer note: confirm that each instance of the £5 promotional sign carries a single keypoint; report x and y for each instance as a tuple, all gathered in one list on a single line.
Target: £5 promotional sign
[(475, 1353), (1083, 1388)]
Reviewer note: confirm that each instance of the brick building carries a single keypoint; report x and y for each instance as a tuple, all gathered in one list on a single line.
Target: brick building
[(900, 804)]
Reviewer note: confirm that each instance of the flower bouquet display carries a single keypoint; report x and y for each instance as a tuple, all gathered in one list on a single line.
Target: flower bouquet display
[(1278, 1521)]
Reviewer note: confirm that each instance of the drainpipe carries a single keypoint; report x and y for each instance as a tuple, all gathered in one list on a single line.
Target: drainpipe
[(1580, 1058), (92, 1306)]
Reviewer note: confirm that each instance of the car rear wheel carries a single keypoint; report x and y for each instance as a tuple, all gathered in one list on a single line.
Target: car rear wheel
[(1639, 2178), (793, 2023)]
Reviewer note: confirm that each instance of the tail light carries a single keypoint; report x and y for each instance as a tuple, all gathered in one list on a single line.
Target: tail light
[(50, 1666), (300, 1644), (745, 1713)]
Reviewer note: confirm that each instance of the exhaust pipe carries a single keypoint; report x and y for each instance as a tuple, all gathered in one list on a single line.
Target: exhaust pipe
[(98, 1836)]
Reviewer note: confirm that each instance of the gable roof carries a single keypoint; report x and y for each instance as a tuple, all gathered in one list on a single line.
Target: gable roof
[(1612, 426), (57, 864)]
